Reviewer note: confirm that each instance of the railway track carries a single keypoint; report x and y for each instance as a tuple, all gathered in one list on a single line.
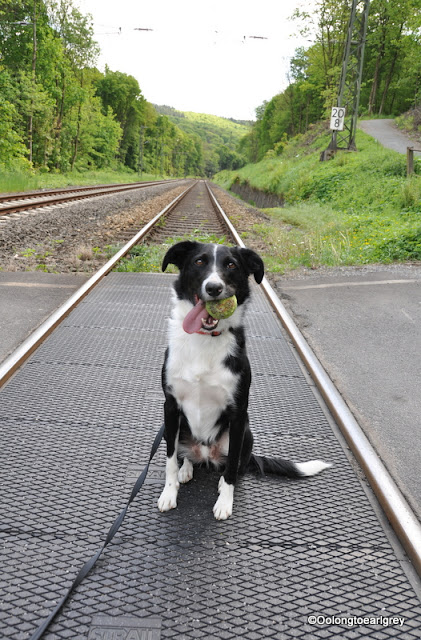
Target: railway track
[(195, 215), (18, 203), (183, 208), (196, 211)]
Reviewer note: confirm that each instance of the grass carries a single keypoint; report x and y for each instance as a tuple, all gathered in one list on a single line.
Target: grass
[(358, 208), (25, 181), (307, 236)]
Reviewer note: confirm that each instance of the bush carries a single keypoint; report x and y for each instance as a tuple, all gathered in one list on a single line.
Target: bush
[(405, 247), (394, 167)]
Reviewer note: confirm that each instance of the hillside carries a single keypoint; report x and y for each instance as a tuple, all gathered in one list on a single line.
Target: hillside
[(219, 136), (358, 208)]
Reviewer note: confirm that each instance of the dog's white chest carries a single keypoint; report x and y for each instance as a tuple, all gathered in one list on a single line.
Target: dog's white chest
[(201, 384)]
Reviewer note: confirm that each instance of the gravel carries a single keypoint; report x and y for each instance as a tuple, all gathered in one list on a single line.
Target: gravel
[(74, 237), (242, 215)]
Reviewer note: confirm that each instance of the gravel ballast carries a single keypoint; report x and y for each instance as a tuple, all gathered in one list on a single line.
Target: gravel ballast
[(73, 237)]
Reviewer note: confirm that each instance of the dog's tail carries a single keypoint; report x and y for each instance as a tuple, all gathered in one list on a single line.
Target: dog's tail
[(280, 467)]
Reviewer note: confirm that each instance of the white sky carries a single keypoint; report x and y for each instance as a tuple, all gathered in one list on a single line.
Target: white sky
[(196, 58)]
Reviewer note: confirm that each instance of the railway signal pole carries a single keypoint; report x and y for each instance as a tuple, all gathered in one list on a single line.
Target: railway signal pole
[(350, 81), (141, 144)]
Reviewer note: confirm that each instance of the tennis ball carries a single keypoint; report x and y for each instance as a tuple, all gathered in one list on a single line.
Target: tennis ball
[(221, 309)]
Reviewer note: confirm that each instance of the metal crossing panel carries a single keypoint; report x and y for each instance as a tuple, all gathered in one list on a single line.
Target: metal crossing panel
[(76, 425)]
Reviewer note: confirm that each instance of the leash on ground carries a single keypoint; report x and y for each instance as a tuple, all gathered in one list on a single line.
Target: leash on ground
[(110, 535)]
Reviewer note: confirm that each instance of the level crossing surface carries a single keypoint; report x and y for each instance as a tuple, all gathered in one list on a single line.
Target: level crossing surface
[(311, 558)]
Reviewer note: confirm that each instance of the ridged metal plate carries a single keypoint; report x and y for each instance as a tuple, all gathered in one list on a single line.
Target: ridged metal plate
[(76, 426)]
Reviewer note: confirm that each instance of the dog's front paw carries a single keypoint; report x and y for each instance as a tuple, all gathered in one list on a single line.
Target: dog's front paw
[(223, 506), (168, 499)]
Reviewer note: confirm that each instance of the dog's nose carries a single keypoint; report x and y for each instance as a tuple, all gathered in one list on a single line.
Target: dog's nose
[(213, 288)]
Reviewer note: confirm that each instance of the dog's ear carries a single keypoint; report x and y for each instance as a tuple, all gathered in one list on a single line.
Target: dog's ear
[(254, 263), (178, 253)]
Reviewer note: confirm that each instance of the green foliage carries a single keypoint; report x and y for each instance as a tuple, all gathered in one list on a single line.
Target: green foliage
[(15, 180), (39, 258), (58, 113), (170, 150), (404, 247), (143, 258), (120, 94), (11, 148), (218, 137), (391, 72), (355, 209)]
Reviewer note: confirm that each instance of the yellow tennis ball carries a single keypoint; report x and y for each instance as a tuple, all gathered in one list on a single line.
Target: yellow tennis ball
[(221, 309)]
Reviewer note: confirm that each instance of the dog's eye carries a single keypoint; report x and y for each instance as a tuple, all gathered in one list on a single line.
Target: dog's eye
[(231, 265), (199, 262)]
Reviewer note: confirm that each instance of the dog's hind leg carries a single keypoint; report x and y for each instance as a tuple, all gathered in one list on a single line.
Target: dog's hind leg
[(246, 451), (185, 473), (168, 497)]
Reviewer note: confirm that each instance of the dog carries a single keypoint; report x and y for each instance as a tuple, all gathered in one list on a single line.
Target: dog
[(206, 375)]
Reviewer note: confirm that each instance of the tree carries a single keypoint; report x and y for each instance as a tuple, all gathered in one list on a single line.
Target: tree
[(392, 42), (391, 76), (122, 94), (68, 114), (11, 147)]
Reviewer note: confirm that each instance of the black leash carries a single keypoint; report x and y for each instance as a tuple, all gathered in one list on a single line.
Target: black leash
[(111, 533)]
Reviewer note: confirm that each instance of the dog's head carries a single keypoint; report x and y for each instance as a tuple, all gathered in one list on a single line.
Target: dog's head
[(213, 272)]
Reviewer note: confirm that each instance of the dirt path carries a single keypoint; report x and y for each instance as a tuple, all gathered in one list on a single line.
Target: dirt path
[(387, 133)]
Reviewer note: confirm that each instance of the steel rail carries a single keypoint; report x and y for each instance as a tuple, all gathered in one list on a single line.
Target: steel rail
[(45, 200), (398, 511), (394, 504), (18, 357), (21, 195)]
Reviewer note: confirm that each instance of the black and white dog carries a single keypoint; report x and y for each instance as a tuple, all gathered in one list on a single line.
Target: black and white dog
[(206, 375)]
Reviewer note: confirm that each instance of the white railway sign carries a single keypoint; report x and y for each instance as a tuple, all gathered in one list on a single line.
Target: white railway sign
[(337, 118)]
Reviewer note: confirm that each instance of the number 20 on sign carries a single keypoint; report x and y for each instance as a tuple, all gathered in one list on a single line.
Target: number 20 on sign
[(337, 118)]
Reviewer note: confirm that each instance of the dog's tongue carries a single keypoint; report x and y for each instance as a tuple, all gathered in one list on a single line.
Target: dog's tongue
[(193, 320)]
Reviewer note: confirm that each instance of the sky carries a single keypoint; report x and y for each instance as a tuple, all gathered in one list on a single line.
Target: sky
[(199, 56)]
